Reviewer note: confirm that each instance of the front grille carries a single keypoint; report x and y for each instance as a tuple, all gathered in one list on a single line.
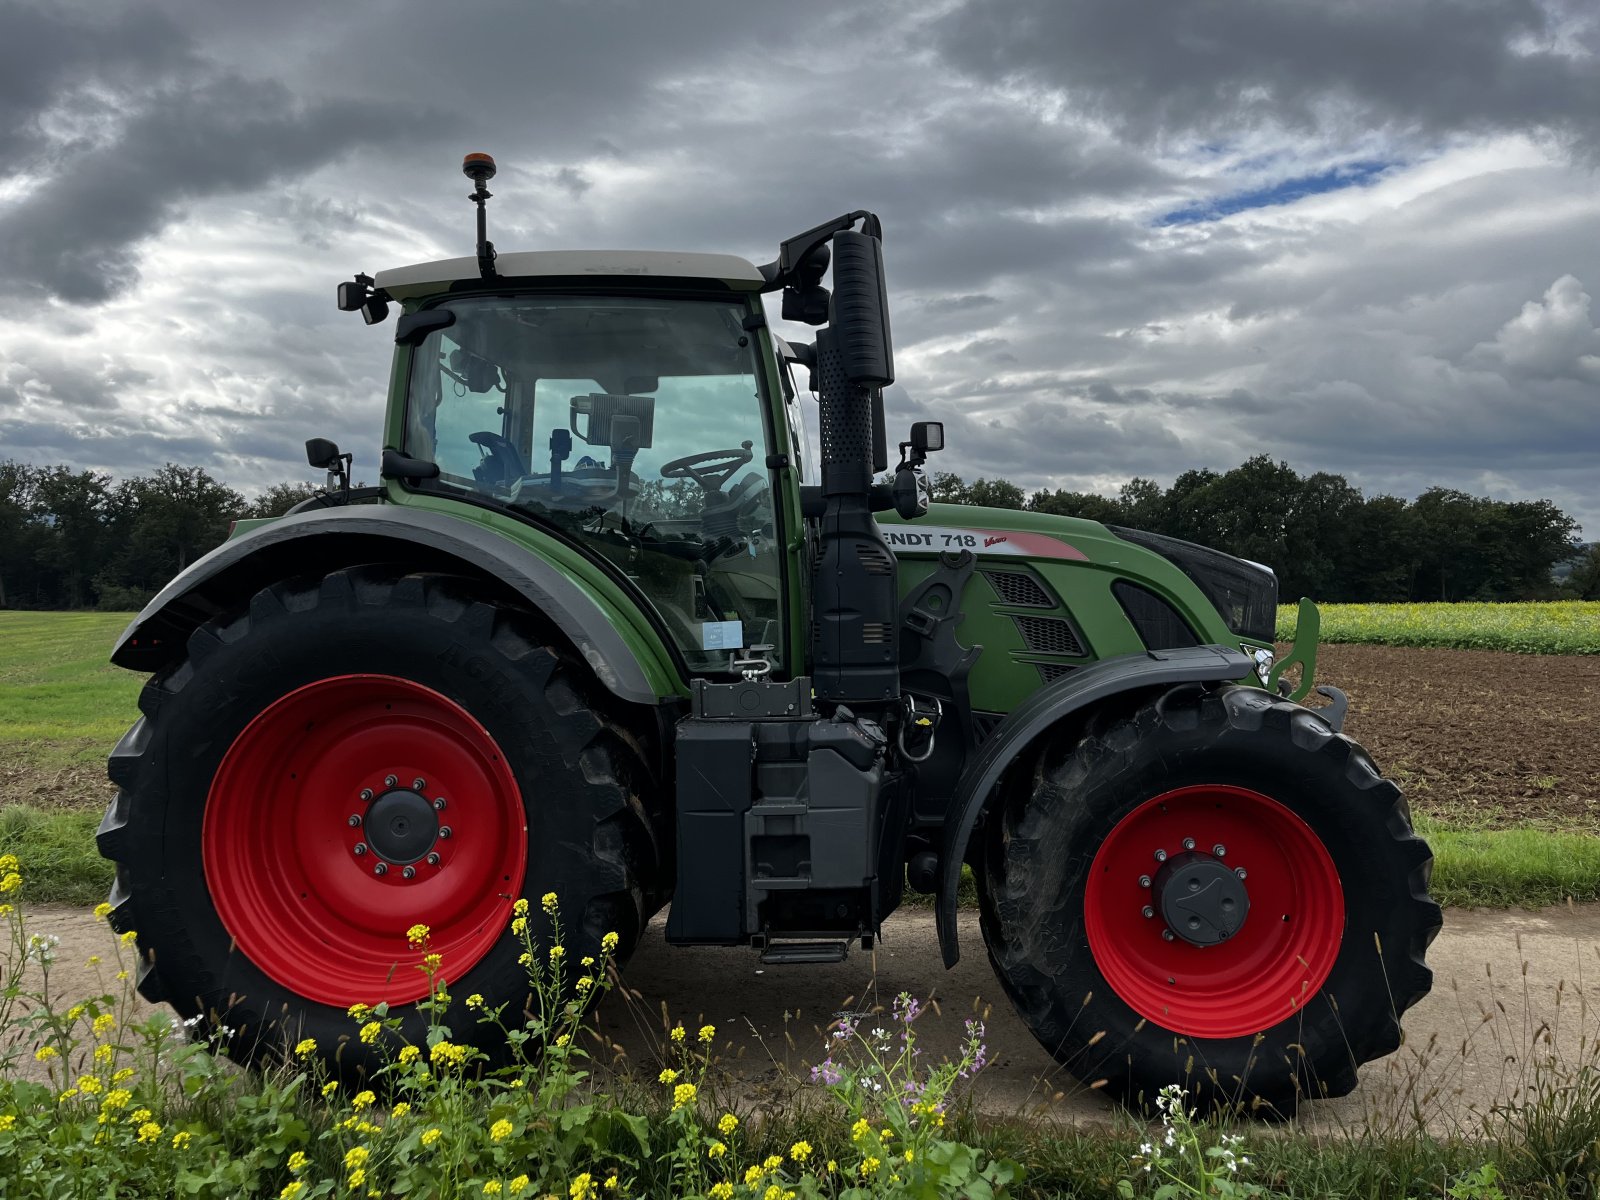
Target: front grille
[(1158, 624), (1019, 589), (1048, 635)]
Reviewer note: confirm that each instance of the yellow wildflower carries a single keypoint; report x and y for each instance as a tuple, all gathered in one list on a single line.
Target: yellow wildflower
[(860, 1129), (93, 959), (431, 963), (475, 1001), (370, 1032), (752, 1175), (417, 935), (722, 1191), (520, 908), (360, 1011), (830, 1166), (772, 1162), (104, 1054), (910, 1154), (518, 1184), (727, 1124), (525, 959), (66, 1095), (447, 1054), (104, 1024), (869, 1166), (362, 1100), (667, 1076), (587, 960), (329, 1088), (609, 942), (430, 1136), (11, 882), (492, 1188), (121, 1098), (122, 977), (500, 1130), (549, 903), (800, 1151), (298, 1162), (585, 984), (76, 1011), (123, 1075), (356, 1156), (367, 1128), (7, 1121), (775, 1192), (306, 1047), (707, 1034), (358, 1177), (89, 1085), (400, 1111), (563, 1040), (6, 910), (519, 925), (716, 1150), (409, 1055), (128, 938), (677, 1034), (149, 1131), (556, 953), (582, 1185), (181, 1139), (292, 1189), (611, 1182), (102, 910), (683, 1095), (8, 862)]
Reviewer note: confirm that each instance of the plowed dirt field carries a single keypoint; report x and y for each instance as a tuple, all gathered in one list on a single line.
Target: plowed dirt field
[(1476, 737)]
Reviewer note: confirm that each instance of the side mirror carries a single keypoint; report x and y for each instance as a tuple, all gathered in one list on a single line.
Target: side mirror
[(374, 310), (353, 294), (910, 493), (860, 310)]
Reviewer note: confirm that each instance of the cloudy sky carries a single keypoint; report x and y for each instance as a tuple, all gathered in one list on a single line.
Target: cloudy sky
[(1123, 237)]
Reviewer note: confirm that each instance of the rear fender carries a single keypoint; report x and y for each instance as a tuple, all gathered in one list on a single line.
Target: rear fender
[(1022, 728), (330, 539)]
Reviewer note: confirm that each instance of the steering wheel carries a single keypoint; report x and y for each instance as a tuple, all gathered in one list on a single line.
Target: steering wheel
[(710, 468), (502, 458)]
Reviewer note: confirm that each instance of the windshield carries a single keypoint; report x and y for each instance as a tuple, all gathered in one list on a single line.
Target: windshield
[(636, 425)]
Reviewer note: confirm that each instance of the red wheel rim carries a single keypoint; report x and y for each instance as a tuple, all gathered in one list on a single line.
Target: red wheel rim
[(1282, 952), (312, 795)]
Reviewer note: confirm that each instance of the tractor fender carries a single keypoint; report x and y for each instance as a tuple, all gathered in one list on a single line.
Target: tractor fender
[(1031, 719), (329, 539)]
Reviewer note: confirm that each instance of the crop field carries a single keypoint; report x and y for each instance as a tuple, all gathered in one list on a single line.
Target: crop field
[(1559, 627)]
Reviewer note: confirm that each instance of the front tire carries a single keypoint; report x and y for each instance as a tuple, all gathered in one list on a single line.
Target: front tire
[(346, 758), (1082, 917)]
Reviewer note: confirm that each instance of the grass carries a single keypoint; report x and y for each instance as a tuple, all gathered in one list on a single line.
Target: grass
[(1558, 627)]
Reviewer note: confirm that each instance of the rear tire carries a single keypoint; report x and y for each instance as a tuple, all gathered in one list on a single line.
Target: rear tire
[(237, 862), (1311, 983)]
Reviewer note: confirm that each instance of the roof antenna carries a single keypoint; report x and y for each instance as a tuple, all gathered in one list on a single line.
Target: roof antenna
[(480, 169)]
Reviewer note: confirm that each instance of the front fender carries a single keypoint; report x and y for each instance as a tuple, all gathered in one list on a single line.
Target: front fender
[(1025, 724), (329, 539)]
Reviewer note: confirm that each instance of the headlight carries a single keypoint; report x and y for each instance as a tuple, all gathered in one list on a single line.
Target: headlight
[(1244, 593)]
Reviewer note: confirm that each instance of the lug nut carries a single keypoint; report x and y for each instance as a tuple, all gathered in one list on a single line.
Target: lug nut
[(418, 784), (1161, 856), (438, 804), (1144, 881), (1188, 843), (409, 873), (1220, 850), (380, 868), (390, 780), (433, 858), (444, 831), (1148, 912), (366, 793), (1167, 935), (355, 821), (1239, 871), (360, 849)]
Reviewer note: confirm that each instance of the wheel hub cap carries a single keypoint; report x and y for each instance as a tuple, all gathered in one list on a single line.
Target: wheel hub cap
[(401, 827), (1201, 899)]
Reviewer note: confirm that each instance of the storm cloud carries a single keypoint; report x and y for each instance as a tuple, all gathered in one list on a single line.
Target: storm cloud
[(1356, 235)]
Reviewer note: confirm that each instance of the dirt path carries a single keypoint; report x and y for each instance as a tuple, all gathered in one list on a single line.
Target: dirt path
[(1509, 987)]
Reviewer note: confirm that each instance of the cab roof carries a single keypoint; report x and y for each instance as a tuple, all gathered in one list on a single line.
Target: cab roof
[(419, 279)]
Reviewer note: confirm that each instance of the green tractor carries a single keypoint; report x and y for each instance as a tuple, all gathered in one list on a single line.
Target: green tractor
[(607, 628)]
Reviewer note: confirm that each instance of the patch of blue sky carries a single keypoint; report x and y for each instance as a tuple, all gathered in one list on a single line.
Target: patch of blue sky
[(1285, 191)]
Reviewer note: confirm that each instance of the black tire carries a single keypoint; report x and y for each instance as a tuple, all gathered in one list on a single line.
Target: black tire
[(1041, 842), (580, 778)]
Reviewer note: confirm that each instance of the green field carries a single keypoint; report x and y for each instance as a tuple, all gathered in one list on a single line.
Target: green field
[(62, 707), (1558, 627)]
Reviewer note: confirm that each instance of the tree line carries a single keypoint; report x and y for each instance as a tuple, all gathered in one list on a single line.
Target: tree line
[(76, 539)]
